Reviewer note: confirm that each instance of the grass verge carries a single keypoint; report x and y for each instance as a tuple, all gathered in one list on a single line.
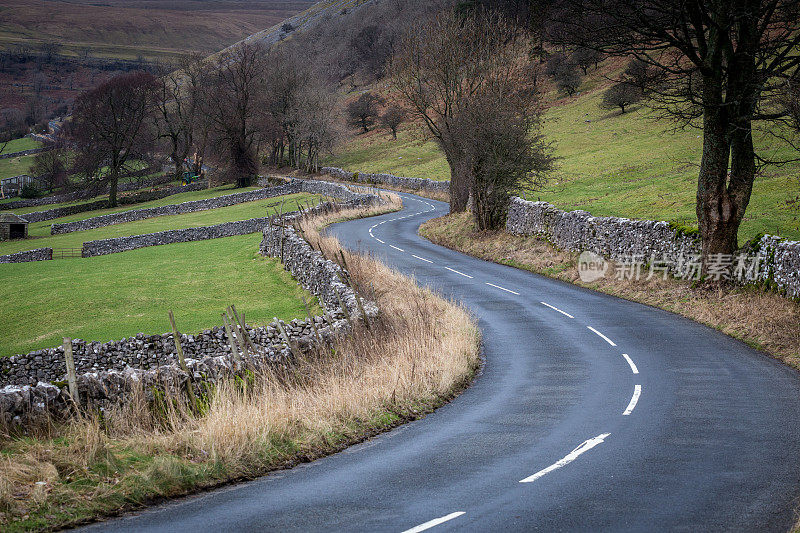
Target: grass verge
[(367, 382), (764, 320)]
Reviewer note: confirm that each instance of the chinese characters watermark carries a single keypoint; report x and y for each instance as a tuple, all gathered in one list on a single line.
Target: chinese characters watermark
[(740, 267)]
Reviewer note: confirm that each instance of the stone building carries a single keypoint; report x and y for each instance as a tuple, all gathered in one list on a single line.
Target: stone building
[(12, 227)]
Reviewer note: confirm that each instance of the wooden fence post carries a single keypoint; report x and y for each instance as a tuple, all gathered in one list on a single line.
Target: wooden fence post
[(72, 378), (231, 341), (176, 338)]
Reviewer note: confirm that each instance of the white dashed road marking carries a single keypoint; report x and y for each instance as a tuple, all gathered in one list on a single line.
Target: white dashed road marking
[(609, 341), (396, 248), (571, 456), (435, 522), (501, 288), (631, 363), (459, 273), (422, 258), (637, 391), (557, 309)]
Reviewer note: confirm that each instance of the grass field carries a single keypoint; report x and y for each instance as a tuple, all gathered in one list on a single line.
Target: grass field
[(118, 295), (18, 145), (15, 166), (611, 165), (41, 238)]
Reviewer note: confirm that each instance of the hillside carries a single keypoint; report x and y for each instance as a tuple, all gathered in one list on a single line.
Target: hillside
[(126, 29), (317, 14), (627, 165)]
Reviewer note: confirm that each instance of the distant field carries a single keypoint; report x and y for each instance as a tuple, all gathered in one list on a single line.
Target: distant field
[(115, 296), (15, 166), (174, 199), (41, 238), (18, 145), (612, 165), (128, 28)]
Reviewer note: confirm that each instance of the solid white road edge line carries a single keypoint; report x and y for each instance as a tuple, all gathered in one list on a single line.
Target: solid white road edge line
[(396, 248), (637, 391), (631, 363), (459, 273), (556, 309), (571, 456), (609, 341), (435, 522), (422, 258), (501, 288)]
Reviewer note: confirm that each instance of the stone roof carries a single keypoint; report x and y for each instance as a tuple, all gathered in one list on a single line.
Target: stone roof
[(11, 218)]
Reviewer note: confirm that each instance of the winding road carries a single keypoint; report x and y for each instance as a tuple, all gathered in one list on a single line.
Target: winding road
[(591, 413)]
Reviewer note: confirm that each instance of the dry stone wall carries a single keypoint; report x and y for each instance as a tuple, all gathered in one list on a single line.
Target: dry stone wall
[(32, 151), (173, 209), (90, 192), (622, 238), (33, 383), (202, 233), (50, 214), (39, 254), (415, 184)]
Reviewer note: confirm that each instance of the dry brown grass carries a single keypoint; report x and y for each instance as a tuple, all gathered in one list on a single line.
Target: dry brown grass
[(763, 319), (419, 353)]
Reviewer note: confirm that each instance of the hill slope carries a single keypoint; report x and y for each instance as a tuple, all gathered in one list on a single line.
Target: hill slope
[(611, 164)]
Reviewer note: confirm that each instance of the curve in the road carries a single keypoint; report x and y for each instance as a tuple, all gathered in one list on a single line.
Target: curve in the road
[(591, 413)]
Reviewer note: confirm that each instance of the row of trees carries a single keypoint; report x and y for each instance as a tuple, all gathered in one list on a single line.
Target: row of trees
[(247, 101)]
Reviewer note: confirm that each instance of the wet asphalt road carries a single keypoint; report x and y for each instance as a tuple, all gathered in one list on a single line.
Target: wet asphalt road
[(689, 430)]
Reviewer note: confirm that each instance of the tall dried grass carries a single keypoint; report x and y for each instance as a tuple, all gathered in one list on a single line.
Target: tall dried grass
[(420, 352), (763, 319)]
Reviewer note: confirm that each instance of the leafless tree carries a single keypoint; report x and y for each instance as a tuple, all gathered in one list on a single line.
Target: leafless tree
[(438, 71), (620, 95), (112, 125), (234, 108), (392, 118), (564, 73), (179, 120), (363, 111), (12, 126), (585, 58), (721, 63), (51, 166)]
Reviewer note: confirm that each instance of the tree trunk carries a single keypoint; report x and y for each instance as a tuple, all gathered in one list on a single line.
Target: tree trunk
[(178, 175), (722, 198), (112, 190)]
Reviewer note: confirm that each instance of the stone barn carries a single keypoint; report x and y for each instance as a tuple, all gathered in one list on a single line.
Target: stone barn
[(12, 227)]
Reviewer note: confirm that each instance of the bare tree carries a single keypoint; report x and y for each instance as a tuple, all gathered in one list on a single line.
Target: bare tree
[(564, 73), (313, 130), (363, 111), (438, 70), (51, 167), (585, 58), (392, 118), (12, 126), (620, 95), (233, 106), (111, 125), (721, 62), (179, 119)]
